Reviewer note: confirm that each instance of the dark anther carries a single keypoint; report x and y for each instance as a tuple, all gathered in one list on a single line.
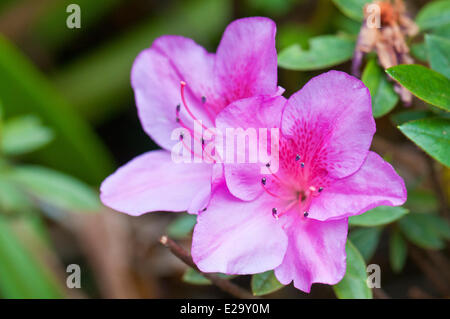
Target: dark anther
[(305, 214), (203, 141), (178, 119), (320, 189), (302, 164), (204, 209), (203, 99), (263, 181), (181, 136), (268, 165), (274, 211), (178, 108), (297, 158)]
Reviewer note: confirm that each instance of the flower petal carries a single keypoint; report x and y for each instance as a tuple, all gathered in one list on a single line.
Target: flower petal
[(236, 237), (315, 253), (155, 78), (375, 183), (152, 182), (331, 120), (246, 62), (255, 113)]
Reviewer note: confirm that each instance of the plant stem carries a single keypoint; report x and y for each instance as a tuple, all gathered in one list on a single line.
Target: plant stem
[(221, 283)]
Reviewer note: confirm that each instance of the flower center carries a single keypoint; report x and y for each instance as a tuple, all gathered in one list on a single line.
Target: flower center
[(290, 192)]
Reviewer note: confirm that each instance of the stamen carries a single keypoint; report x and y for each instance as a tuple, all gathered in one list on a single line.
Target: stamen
[(320, 189), (188, 148), (203, 99), (183, 99), (274, 213), (305, 214), (297, 158), (302, 164), (263, 184)]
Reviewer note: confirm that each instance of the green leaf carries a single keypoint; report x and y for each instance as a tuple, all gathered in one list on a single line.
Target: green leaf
[(55, 188), (432, 135), (426, 84), (440, 225), (194, 277), (265, 283), (366, 240), (21, 274), (406, 116), (12, 198), (419, 51), (378, 216), (439, 53), (434, 14), (24, 90), (324, 51), (420, 229), (352, 8), (23, 135), (182, 226), (382, 91), (398, 250), (354, 284), (422, 201)]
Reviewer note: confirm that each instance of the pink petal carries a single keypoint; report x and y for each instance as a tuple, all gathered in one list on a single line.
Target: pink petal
[(236, 237), (246, 63), (152, 182), (315, 253), (155, 78), (244, 180), (375, 183), (331, 120)]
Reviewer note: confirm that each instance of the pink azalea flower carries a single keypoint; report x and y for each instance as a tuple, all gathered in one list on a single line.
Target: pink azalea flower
[(295, 220), (175, 82)]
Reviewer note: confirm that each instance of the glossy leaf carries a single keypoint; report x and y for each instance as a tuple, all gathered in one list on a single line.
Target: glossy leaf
[(378, 216), (420, 230), (23, 135), (354, 284), (381, 90), (265, 283), (426, 84), (439, 53), (398, 250), (194, 277), (324, 51), (182, 226), (434, 14), (366, 240), (432, 135), (55, 188), (352, 8), (406, 116)]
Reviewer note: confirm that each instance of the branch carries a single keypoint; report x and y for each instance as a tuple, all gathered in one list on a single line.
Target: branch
[(223, 284)]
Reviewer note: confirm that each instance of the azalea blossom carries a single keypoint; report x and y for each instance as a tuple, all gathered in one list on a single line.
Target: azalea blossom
[(295, 221), (176, 83)]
